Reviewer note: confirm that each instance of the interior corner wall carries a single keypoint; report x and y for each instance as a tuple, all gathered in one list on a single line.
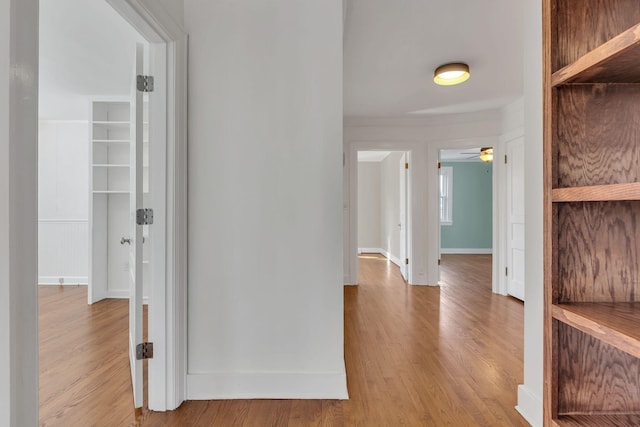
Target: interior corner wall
[(369, 206), (18, 212), (530, 393), (390, 205), (265, 292), (471, 230)]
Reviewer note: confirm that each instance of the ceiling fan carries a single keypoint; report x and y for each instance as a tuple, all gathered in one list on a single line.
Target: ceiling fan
[(485, 154)]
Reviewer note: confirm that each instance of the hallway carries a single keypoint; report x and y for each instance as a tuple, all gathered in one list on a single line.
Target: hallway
[(417, 356)]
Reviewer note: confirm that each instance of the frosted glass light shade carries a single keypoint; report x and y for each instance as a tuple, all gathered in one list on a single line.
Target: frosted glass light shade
[(451, 74)]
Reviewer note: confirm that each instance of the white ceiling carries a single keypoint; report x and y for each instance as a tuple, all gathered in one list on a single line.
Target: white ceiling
[(86, 49), (372, 156), (391, 48), (390, 51)]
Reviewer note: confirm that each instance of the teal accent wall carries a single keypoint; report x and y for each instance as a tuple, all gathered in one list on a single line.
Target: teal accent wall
[(472, 207)]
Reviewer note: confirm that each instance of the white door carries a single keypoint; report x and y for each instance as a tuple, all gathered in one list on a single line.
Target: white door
[(515, 217), (135, 246), (403, 217)]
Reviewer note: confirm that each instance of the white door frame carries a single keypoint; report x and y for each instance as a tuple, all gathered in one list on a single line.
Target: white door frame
[(405, 224), (416, 250), (167, 312)]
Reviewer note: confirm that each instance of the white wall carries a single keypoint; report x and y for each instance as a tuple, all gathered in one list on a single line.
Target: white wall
[(369, 206), (63, 188), (530, 393), (265, 220), (390, 205), (18, 215)]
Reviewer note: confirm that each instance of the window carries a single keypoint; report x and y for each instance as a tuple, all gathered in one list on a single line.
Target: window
[(446, 195)]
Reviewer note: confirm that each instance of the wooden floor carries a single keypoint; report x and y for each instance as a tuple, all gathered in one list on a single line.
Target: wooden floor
[(415, 356)]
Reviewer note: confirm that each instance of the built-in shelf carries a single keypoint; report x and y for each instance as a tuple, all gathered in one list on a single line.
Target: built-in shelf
[(111, 141), (109, 165), (110, 192), (598, 193), (621, 420), (592, 317), (112, 124), (615, 61), (613, 323)]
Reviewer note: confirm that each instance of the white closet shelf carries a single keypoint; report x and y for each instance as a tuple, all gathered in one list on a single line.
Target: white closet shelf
[(109, 165), (111, 141), (112, 124), (110, 192)]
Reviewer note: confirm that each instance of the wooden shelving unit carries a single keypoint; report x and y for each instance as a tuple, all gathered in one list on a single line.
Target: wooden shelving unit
[(592, 213)]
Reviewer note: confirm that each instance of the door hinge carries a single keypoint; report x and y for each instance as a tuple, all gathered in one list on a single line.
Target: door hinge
[(144, 83), (144, 351), (406, 261), (505, 159), (506, 271), (144, 216), (406, 165), (439, 165), (439, 262)]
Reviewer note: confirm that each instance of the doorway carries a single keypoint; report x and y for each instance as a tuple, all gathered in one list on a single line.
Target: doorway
[(383, 206), (465, 208), (167, 47), (87, 162)]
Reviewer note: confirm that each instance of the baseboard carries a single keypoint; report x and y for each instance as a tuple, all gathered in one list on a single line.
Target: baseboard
[(369, 251), (66, 280), (392, 258), (470, 251), (529, 406), (267, 385), (123, 295), (382, 252)]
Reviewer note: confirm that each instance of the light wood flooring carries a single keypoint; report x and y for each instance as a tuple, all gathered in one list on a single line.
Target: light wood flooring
[(415, 356)]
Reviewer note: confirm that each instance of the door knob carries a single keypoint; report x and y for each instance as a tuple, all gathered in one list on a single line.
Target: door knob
[(123, 241)]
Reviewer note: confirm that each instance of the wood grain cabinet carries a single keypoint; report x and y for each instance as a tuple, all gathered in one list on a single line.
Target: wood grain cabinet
[(592, 212)]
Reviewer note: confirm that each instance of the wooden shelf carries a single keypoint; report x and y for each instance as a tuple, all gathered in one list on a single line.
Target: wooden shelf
[(598, 193), (613, 323), (623, 420), (615, 61)]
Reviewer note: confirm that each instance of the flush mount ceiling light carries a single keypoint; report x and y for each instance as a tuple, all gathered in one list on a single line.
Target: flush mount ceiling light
[(486, 154), (451, 74)]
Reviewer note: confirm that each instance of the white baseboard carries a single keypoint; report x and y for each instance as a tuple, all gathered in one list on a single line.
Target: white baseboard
[(382, 252), (267, 385), (118, 294), (470, 251), (529, 406), (67, 280), (369, 251)]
